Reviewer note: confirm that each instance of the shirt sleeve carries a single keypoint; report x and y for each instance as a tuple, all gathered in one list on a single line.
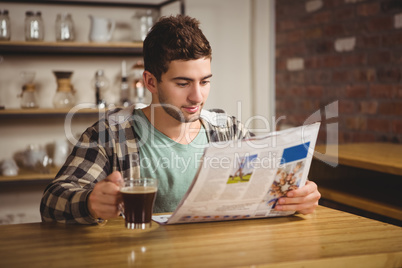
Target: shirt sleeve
[(222, 127), (65, 198), (238, 130)]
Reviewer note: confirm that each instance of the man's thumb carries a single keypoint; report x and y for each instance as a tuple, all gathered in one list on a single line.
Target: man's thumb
[(116, 177)]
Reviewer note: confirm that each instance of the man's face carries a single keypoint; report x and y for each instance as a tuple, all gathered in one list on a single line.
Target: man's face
[(184, 88)]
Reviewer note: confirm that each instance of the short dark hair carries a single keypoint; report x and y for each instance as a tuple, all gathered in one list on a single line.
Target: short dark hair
[(174, 38)]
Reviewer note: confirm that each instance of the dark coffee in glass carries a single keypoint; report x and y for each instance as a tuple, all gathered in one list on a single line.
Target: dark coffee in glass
[(138, 196)]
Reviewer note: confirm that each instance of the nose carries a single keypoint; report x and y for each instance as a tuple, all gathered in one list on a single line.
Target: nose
[(195, 95)]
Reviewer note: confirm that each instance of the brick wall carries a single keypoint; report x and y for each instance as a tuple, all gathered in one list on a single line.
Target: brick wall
[(341, 50)]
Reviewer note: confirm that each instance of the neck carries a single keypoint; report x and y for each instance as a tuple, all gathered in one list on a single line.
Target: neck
[(180, 132)]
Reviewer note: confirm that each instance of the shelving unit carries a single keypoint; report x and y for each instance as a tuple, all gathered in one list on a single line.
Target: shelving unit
[(21, 194), (48, 112), (68, 48), (157, 4), (27, 175), (63, 50)]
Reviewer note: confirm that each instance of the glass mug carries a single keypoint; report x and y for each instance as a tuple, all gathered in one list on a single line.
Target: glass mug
[(138, 199)]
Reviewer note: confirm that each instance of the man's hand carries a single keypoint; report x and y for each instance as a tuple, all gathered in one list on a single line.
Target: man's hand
[(303, 200), (103, 200)]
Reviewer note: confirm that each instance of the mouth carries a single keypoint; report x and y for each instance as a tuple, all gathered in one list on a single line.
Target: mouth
[(192, 109)]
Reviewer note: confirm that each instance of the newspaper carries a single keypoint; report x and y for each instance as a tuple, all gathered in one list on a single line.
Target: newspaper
[(244, 179)]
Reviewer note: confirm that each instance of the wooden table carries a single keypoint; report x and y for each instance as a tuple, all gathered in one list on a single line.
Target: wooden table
[(368, 177), (327, 238)]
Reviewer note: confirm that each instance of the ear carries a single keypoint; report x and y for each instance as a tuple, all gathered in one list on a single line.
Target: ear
[(150, 81)]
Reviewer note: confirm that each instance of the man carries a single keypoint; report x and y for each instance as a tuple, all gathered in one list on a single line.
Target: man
[(164, 140)]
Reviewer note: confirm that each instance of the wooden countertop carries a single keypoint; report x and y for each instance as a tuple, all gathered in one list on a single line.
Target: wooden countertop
[(368, 176), (383, 157), (328, 238)]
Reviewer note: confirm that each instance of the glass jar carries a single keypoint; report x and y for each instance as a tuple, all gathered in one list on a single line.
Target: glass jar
[(64, 27), (142, 22), (34, 28), (5, 29)]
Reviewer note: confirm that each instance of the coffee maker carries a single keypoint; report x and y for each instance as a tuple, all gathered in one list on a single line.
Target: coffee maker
[(64, 97), (28, 95)]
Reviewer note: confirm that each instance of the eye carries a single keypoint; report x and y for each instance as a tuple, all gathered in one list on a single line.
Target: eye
[(182, 84), (204, 83)]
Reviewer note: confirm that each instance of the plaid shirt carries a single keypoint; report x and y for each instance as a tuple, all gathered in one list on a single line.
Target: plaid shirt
[(110, 145)]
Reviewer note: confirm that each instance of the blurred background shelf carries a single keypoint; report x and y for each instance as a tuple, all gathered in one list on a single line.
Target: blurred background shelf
[(71, 48), (120, 3), (28, 175), (20, 128), (6, 113)]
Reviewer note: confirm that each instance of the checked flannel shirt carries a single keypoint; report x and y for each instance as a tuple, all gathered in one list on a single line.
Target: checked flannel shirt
[(110, 145)]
